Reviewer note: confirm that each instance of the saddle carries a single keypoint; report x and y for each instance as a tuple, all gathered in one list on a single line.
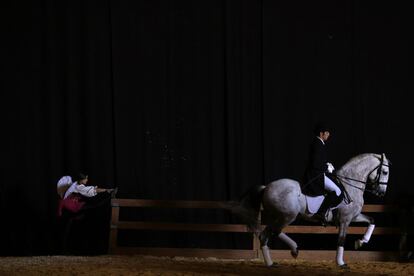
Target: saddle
[(313, 203)]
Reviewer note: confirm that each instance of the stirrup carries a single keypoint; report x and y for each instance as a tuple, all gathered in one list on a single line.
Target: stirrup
[(321, 218)]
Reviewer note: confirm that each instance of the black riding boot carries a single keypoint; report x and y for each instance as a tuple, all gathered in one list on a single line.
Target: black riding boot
[(331, 200), (321, 214)]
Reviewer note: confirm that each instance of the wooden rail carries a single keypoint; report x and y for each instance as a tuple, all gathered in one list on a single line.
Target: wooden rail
[(117, 224)]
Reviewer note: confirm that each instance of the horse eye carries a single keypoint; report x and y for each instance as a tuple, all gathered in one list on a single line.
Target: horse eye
[(384, 172)]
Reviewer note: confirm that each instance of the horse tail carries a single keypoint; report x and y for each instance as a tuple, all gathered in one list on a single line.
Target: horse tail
[(247, 208)]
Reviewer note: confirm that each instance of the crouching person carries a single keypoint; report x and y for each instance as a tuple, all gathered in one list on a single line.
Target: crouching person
[(76, 199)]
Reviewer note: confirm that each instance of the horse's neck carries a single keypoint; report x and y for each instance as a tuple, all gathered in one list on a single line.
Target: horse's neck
[(355, 194), (355, 183)]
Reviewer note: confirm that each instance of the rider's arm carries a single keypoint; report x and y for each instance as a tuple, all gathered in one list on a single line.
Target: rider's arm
[(88, 191)]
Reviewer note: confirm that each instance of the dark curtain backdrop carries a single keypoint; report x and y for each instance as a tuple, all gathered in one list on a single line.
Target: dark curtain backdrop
[(192, 100)]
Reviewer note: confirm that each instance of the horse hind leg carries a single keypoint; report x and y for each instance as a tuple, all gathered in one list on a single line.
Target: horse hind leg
[(276, 229), (291, 243), (264, 237)]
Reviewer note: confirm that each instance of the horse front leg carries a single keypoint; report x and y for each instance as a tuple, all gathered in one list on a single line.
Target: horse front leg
[(343, 227), (368, 232)]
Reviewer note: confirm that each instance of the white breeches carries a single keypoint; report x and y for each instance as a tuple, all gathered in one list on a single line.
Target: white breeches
[(331, 186)]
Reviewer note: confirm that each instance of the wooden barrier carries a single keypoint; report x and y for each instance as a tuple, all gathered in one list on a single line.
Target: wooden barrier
[(252, 253)]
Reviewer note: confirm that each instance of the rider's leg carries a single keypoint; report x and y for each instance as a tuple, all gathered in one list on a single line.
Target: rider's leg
[(321, 214), (335, 195), (330, 200), (331, 186), (96, 201)]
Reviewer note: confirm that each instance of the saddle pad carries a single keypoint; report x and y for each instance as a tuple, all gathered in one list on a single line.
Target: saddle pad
[(313, 203)]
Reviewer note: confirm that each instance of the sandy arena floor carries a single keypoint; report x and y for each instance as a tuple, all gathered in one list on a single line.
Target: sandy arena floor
[(145, 265)]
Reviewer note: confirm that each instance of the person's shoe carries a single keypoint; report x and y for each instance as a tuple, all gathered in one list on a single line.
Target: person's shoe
[(113, 192)]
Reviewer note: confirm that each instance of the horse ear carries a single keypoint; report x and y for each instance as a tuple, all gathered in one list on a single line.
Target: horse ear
[(385, 158)]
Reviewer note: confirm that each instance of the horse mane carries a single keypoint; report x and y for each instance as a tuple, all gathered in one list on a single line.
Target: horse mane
[(358, 159)]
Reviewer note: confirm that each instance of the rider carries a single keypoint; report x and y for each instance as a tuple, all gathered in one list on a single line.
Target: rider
[(318, 174)]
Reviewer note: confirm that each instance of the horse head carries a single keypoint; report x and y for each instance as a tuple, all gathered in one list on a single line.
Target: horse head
[(377, 179), (369, 169)]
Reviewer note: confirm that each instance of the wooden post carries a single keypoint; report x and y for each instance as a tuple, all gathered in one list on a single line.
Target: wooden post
[(113, 236), (256, 241)]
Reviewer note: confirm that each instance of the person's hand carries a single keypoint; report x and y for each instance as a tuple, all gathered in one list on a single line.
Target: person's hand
[(330, 167)]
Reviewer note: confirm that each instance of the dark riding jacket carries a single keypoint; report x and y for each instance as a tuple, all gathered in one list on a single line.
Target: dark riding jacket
[(314, 183)]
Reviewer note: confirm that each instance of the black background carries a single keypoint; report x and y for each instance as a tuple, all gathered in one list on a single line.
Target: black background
[(191, 100)]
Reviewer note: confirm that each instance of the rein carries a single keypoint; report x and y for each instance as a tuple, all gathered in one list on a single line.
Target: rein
[(376, 182), (340, 177)]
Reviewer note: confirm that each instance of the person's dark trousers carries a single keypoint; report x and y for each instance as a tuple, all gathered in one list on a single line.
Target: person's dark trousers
[(97, 212), (406, 221), (67, 221), (97, 201), (73, 240)]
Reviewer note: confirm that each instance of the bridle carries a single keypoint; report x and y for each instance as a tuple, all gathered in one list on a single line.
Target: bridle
[(372, 184)]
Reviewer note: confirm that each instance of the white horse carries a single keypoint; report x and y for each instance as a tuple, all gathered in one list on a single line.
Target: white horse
[(283, 201)]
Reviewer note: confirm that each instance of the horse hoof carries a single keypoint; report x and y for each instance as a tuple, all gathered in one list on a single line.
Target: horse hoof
[(294, 253), (344, 266), (405, 258), (273, 265)]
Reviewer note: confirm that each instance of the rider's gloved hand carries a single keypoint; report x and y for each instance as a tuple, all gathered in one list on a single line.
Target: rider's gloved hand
[(330, 167)]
